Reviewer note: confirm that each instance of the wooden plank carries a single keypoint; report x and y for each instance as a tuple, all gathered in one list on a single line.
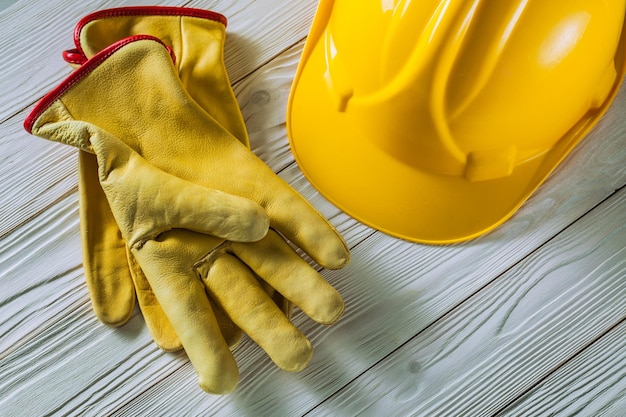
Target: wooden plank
[(4, 4), (497, 345), (260, 30), (394, 289), (591, 384), (38, 266), (263, 99), (32, 35), (34, 172), (48, 328), (387, 276), (38, 32)]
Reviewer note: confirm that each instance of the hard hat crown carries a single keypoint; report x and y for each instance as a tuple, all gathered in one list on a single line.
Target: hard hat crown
[(470, 88)]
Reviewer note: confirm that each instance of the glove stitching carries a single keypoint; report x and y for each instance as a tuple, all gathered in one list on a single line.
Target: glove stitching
[(210, 257)]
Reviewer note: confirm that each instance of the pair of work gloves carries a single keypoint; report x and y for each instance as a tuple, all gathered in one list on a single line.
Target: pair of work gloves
[(176, 211)]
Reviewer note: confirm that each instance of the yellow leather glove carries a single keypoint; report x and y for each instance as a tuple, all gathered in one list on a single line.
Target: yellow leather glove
[(128, 106), (197, 39)]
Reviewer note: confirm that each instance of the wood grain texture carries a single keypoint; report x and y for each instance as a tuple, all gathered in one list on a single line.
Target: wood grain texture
[(382, 284), (36, 35), (261, 96), (591, 384), (485, 354), (390, 301), (259, 30), (422, 322), (34, 174)]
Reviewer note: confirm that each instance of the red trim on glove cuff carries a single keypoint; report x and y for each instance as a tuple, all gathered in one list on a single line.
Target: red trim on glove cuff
[(87, 67), (77, 56)]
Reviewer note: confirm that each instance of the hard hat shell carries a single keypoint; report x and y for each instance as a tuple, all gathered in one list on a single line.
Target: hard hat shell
[(434, 120)]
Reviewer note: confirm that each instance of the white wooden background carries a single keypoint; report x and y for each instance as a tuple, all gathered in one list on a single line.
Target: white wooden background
[(528, 320)]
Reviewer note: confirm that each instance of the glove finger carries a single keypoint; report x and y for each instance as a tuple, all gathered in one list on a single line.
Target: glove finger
[(184, 301), (233, 286), (166, 201), (158, 324), (106, 271), (297, 220), (280, 266), (290, 214), (215, 213)]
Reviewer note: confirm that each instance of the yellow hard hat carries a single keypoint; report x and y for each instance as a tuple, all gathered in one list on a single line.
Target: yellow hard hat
[(434, 120)]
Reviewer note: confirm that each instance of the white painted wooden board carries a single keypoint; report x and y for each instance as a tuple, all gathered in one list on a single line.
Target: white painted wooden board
[(485, 353), (592, 384), (57, 359)]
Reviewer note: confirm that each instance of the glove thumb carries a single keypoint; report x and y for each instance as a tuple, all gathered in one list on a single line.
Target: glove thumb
[(147, 201)]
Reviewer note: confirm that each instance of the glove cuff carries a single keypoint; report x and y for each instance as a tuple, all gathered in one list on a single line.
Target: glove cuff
[(77, 56)]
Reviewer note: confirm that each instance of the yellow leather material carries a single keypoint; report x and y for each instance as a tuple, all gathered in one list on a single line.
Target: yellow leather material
[(197, 39), (159, 156)]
